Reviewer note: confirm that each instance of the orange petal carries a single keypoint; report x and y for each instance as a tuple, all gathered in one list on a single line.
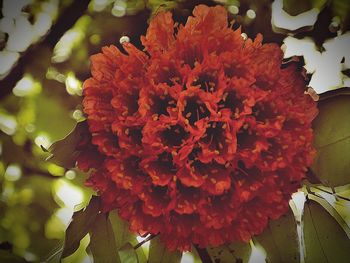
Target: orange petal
[(160, 33)]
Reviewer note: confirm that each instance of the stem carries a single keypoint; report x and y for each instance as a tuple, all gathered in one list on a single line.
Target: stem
[(145, 240), (203, 254)]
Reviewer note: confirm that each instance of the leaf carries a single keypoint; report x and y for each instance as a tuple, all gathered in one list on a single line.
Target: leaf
[(79, 226), (288, 17), (341, 9), (234, 252), (280, 240), (158, 5), (159, 254), (128, 254), (124, 236), (331, 210), (332, 141), (324, 239), (56, 254), (64, 152), (51, 116), (296, 7), (334, 93), (102, 242), (121, 230)]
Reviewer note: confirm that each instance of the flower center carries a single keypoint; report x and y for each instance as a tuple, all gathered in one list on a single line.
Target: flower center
[(174, 135), (195, 110), (161, 104), (214, 135), (206, 82)]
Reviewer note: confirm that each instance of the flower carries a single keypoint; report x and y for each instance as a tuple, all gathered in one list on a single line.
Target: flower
[(200, 138)]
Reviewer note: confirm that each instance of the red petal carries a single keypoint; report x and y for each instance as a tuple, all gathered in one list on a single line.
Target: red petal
[(160, 33)]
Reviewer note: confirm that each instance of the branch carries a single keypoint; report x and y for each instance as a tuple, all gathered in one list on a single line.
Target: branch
[(67, 19), (144, 241), (203, 254)]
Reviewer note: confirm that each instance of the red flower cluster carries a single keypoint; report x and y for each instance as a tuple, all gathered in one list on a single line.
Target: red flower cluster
[(202, 137)]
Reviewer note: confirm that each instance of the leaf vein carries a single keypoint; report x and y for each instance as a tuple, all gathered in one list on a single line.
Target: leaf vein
[(331, 143)]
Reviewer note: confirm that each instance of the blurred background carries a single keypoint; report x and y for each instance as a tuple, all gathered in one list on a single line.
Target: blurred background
[(44, 58)]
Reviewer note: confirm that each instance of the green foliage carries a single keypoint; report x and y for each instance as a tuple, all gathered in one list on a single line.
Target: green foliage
[(162, 5), (332, 141), (110, 239), (48, 108), (64, 152), (332, 211), (55, 255), (325, 240), (235, 252), (82, 223), (159, 254), (295, 7), (341, 9), (128, 254), (280, 240), (123, 237), (121, 230), (102, 242)]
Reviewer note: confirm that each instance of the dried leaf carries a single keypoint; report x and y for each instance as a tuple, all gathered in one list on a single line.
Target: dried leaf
[(64, 152), (81, 222)]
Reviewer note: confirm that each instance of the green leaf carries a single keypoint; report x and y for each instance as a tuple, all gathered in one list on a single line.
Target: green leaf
[(121, 230), (158, 5), (331, 210), (80, 225), (332, 141), (234, 252), (159, 254), (102, 242), (56, 254), (64, 152), (51, 115), (280, 240), (124, 236), (296, 7), (325, 240), (341, 9), (128, 254)]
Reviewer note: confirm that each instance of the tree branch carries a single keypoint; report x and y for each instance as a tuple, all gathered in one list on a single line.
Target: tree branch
[(144, 241), (203, 254), (67, 19)]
